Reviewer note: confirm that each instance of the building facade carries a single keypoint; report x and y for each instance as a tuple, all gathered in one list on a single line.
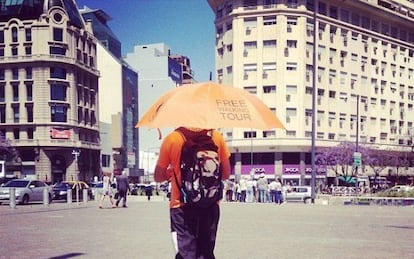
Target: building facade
[(118, 85), (159, 71), (48, 91), (364, 76)]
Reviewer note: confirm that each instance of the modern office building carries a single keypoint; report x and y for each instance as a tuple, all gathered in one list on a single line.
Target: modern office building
[(48, 90), (118, 94), (364, 76), (159, 71)]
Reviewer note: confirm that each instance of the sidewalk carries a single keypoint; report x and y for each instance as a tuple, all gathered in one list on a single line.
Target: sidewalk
[(246, 231)]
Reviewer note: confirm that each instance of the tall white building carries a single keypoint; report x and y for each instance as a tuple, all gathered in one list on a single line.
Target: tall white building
[(364, 58), (158, 73)]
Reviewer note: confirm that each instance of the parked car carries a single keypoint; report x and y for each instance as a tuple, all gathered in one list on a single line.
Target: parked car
[(401, 188), (26, 191), (60, 190), (138, 189), (299, 193)]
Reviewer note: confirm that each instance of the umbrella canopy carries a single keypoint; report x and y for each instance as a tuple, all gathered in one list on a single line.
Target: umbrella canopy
[(209, 105)]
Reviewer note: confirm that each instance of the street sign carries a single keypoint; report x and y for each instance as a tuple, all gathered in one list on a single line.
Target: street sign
[(357, 159)]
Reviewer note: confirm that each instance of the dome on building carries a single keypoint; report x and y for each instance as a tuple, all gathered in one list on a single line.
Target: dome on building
[(32, 9)]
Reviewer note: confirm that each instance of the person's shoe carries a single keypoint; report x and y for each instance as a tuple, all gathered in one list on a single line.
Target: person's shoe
[(100, 206), (125, 206)]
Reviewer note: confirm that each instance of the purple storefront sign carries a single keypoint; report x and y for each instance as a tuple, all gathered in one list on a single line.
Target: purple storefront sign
[(258, 169), (295, 169)]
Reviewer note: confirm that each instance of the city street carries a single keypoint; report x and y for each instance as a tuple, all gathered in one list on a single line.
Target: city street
[(292, 230)]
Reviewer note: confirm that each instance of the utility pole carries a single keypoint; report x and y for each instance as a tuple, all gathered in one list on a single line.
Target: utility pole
[(313, 179)]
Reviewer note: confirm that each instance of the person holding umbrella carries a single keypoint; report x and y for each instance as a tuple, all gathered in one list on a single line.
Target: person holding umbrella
[(193, 229), (198, 109)]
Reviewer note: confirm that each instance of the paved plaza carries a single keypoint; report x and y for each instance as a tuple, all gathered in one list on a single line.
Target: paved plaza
[(247, 231)]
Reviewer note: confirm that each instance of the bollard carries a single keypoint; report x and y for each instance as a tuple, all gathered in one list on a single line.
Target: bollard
[(77, 193), (45, 197), (85, 195), (69, 196), (95, 194), (12, 192)]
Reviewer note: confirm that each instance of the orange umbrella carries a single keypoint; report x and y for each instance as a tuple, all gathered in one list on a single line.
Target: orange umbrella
[(209, 105)]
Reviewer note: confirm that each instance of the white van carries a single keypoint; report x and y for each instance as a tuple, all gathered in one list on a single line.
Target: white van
[(299, 193)]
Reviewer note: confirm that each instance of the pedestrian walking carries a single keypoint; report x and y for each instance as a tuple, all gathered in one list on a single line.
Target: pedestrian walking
[(279, 189), (262, 187), (272, 190), (107, 190), (122, 186), (193, 227)]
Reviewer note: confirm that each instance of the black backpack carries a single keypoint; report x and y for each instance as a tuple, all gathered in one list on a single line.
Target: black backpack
[(201, 183)]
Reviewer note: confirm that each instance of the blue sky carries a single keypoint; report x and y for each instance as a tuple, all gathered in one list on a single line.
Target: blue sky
[(186, 26)]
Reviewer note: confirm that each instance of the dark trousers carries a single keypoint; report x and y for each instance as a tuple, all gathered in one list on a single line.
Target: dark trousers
[(195, 230), (122, 194)]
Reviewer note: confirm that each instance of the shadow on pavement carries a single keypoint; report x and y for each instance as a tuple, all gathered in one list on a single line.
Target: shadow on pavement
[(70, 255)]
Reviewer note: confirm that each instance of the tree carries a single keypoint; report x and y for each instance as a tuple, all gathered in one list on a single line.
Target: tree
[(398, 160), (340, 159), (377, 160)]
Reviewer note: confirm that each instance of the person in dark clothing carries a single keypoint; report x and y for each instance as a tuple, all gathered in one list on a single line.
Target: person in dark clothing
[(148, 192), (122, 186)]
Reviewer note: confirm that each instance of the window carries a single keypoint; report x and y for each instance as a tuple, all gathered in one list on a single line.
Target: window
[(16, 133), (291, 66), (269, 44), (291, 20), (14, 51), (291, 43), (58, 72), (28, 32), (250, 23), (28, 50), (58, 113), (267, 89), (322, 8), (58, 34), (249, 134), (333, 12), (15, 93), (2, 74), (1, 36), (291, 90), (269, 134), (14, 35), (106, 160), (291, 133), (1, 52), (269, 66), (2, 114), (250, 67), (29, 110), (58, 92), (269, 20), (250, 45), (16, 113), (251, 89), (29, 92), (2, 93), (57, 51), (30, 132), (15, 74), (29, 74)]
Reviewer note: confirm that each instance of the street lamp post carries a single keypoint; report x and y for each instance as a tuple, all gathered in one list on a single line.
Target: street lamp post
[(313, 180)]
